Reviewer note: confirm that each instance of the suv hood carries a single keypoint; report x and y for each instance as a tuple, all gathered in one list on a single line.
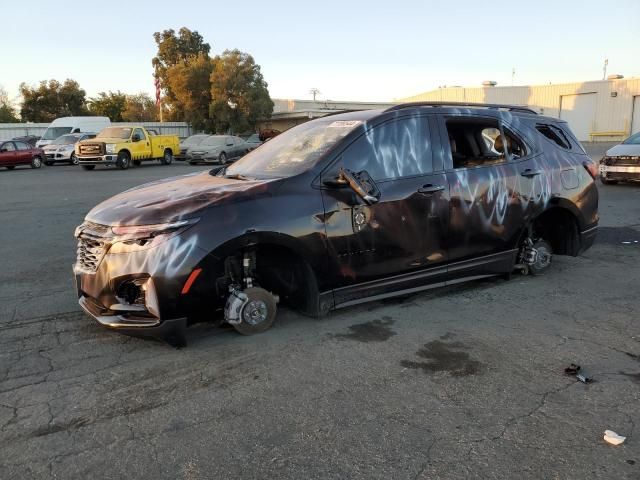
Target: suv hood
[(623, 150), (175, 198)]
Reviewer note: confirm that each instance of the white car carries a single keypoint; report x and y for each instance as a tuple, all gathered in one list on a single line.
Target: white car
[(63, 149), (622, 162)]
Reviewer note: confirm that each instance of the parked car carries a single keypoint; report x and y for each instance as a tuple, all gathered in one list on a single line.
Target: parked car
[(218, 149), (622, 162), (337, 211), (190, 142), (62, 126), (28, 139), (14, 153), (120, 146), (62, 149), (254, 141)]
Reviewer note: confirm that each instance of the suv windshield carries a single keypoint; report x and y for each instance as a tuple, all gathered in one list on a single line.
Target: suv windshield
[(293, 151), (255, 138), (54, 132), (115, 132), (632, 140), (66, 140)]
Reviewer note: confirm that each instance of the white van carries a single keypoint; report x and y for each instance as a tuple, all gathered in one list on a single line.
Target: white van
[(64, 125)]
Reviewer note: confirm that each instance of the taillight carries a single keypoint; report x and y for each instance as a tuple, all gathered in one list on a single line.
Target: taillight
[(592, 168)]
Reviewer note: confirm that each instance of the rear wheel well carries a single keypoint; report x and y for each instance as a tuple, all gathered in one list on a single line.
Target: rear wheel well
[(559, 227)]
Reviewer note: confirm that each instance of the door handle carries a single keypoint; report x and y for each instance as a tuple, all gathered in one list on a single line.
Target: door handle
[(530, 173), (429, 189)]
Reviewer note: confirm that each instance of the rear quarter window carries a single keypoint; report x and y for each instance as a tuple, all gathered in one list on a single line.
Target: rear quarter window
[(554, 134)]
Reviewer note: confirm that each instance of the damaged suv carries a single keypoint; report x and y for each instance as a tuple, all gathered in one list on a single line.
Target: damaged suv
[(337, 211)]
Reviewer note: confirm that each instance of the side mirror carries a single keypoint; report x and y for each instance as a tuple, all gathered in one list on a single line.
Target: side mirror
[(362, 184)]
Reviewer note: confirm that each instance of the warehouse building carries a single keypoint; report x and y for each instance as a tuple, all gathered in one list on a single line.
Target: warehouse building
[(289, 113), (605, 110)]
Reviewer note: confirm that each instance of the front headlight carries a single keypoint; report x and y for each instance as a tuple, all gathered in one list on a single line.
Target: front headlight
[(138, 237), (110, 148)]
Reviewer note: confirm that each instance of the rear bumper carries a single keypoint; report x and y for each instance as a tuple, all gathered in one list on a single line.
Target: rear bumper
[(100, 160)]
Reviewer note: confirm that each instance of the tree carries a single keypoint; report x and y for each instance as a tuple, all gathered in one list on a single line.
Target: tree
[(139, 108), (190, 83), (52, 99), (239, 95), (7, 112), (110, 105), (172, 50)]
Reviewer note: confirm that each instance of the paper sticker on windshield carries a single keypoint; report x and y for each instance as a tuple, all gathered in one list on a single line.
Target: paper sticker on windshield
[(345, 123)]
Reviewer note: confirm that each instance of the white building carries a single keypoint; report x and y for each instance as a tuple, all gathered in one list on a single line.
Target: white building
[(604, 110)]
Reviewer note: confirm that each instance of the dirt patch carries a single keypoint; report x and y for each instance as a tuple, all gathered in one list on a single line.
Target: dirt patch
[(445, 357), (373, 331)]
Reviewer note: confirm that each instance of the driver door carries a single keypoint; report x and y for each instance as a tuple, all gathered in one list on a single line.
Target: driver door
[(397, 242)]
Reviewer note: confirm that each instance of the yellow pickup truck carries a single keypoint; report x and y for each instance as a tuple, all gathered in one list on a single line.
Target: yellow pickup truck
[(122, 146)]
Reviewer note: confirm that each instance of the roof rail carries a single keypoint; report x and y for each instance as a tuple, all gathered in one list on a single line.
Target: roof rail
[(496, 106)]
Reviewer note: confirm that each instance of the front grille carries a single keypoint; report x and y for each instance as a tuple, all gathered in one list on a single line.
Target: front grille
[(92, 246), (91, 148), (623, 160)]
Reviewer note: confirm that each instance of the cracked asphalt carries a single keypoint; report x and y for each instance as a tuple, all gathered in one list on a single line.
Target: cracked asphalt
[(463, 382)]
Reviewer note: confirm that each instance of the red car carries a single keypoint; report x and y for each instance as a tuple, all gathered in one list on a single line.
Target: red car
[(13, 153)]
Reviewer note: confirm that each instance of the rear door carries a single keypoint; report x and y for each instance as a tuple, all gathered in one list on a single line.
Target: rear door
[(24, 153), (490, 191), (397, 243), (7, 154)]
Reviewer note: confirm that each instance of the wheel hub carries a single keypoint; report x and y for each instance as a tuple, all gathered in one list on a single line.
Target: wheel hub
[(255, 312)]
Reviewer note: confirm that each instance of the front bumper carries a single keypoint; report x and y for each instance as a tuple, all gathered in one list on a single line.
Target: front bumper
[(58, 156), (194, 158), (128, 325), (620, 172), (99, 160)]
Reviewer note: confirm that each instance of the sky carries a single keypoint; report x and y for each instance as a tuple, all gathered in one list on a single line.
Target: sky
[(350, 50)]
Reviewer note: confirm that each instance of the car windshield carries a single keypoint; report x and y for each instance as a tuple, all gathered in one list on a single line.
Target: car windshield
[(214, 141), (54, 132), (194, 140), (632, 140), (115, 132), (293, 151), (254, 138), (66, 140)]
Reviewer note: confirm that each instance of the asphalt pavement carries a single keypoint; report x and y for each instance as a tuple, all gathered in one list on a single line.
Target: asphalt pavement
[(464, 382)]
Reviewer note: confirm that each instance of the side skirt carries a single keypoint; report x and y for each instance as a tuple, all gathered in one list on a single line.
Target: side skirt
[(459, 272)]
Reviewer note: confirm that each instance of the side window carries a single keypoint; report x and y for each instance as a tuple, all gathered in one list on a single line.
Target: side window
[(8, 147), (394, 149), (475, 141), (139, 133), (21, 146), (555, 134)]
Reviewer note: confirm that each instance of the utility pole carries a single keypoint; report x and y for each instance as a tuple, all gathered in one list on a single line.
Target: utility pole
[(314, 91), (604, 69)]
